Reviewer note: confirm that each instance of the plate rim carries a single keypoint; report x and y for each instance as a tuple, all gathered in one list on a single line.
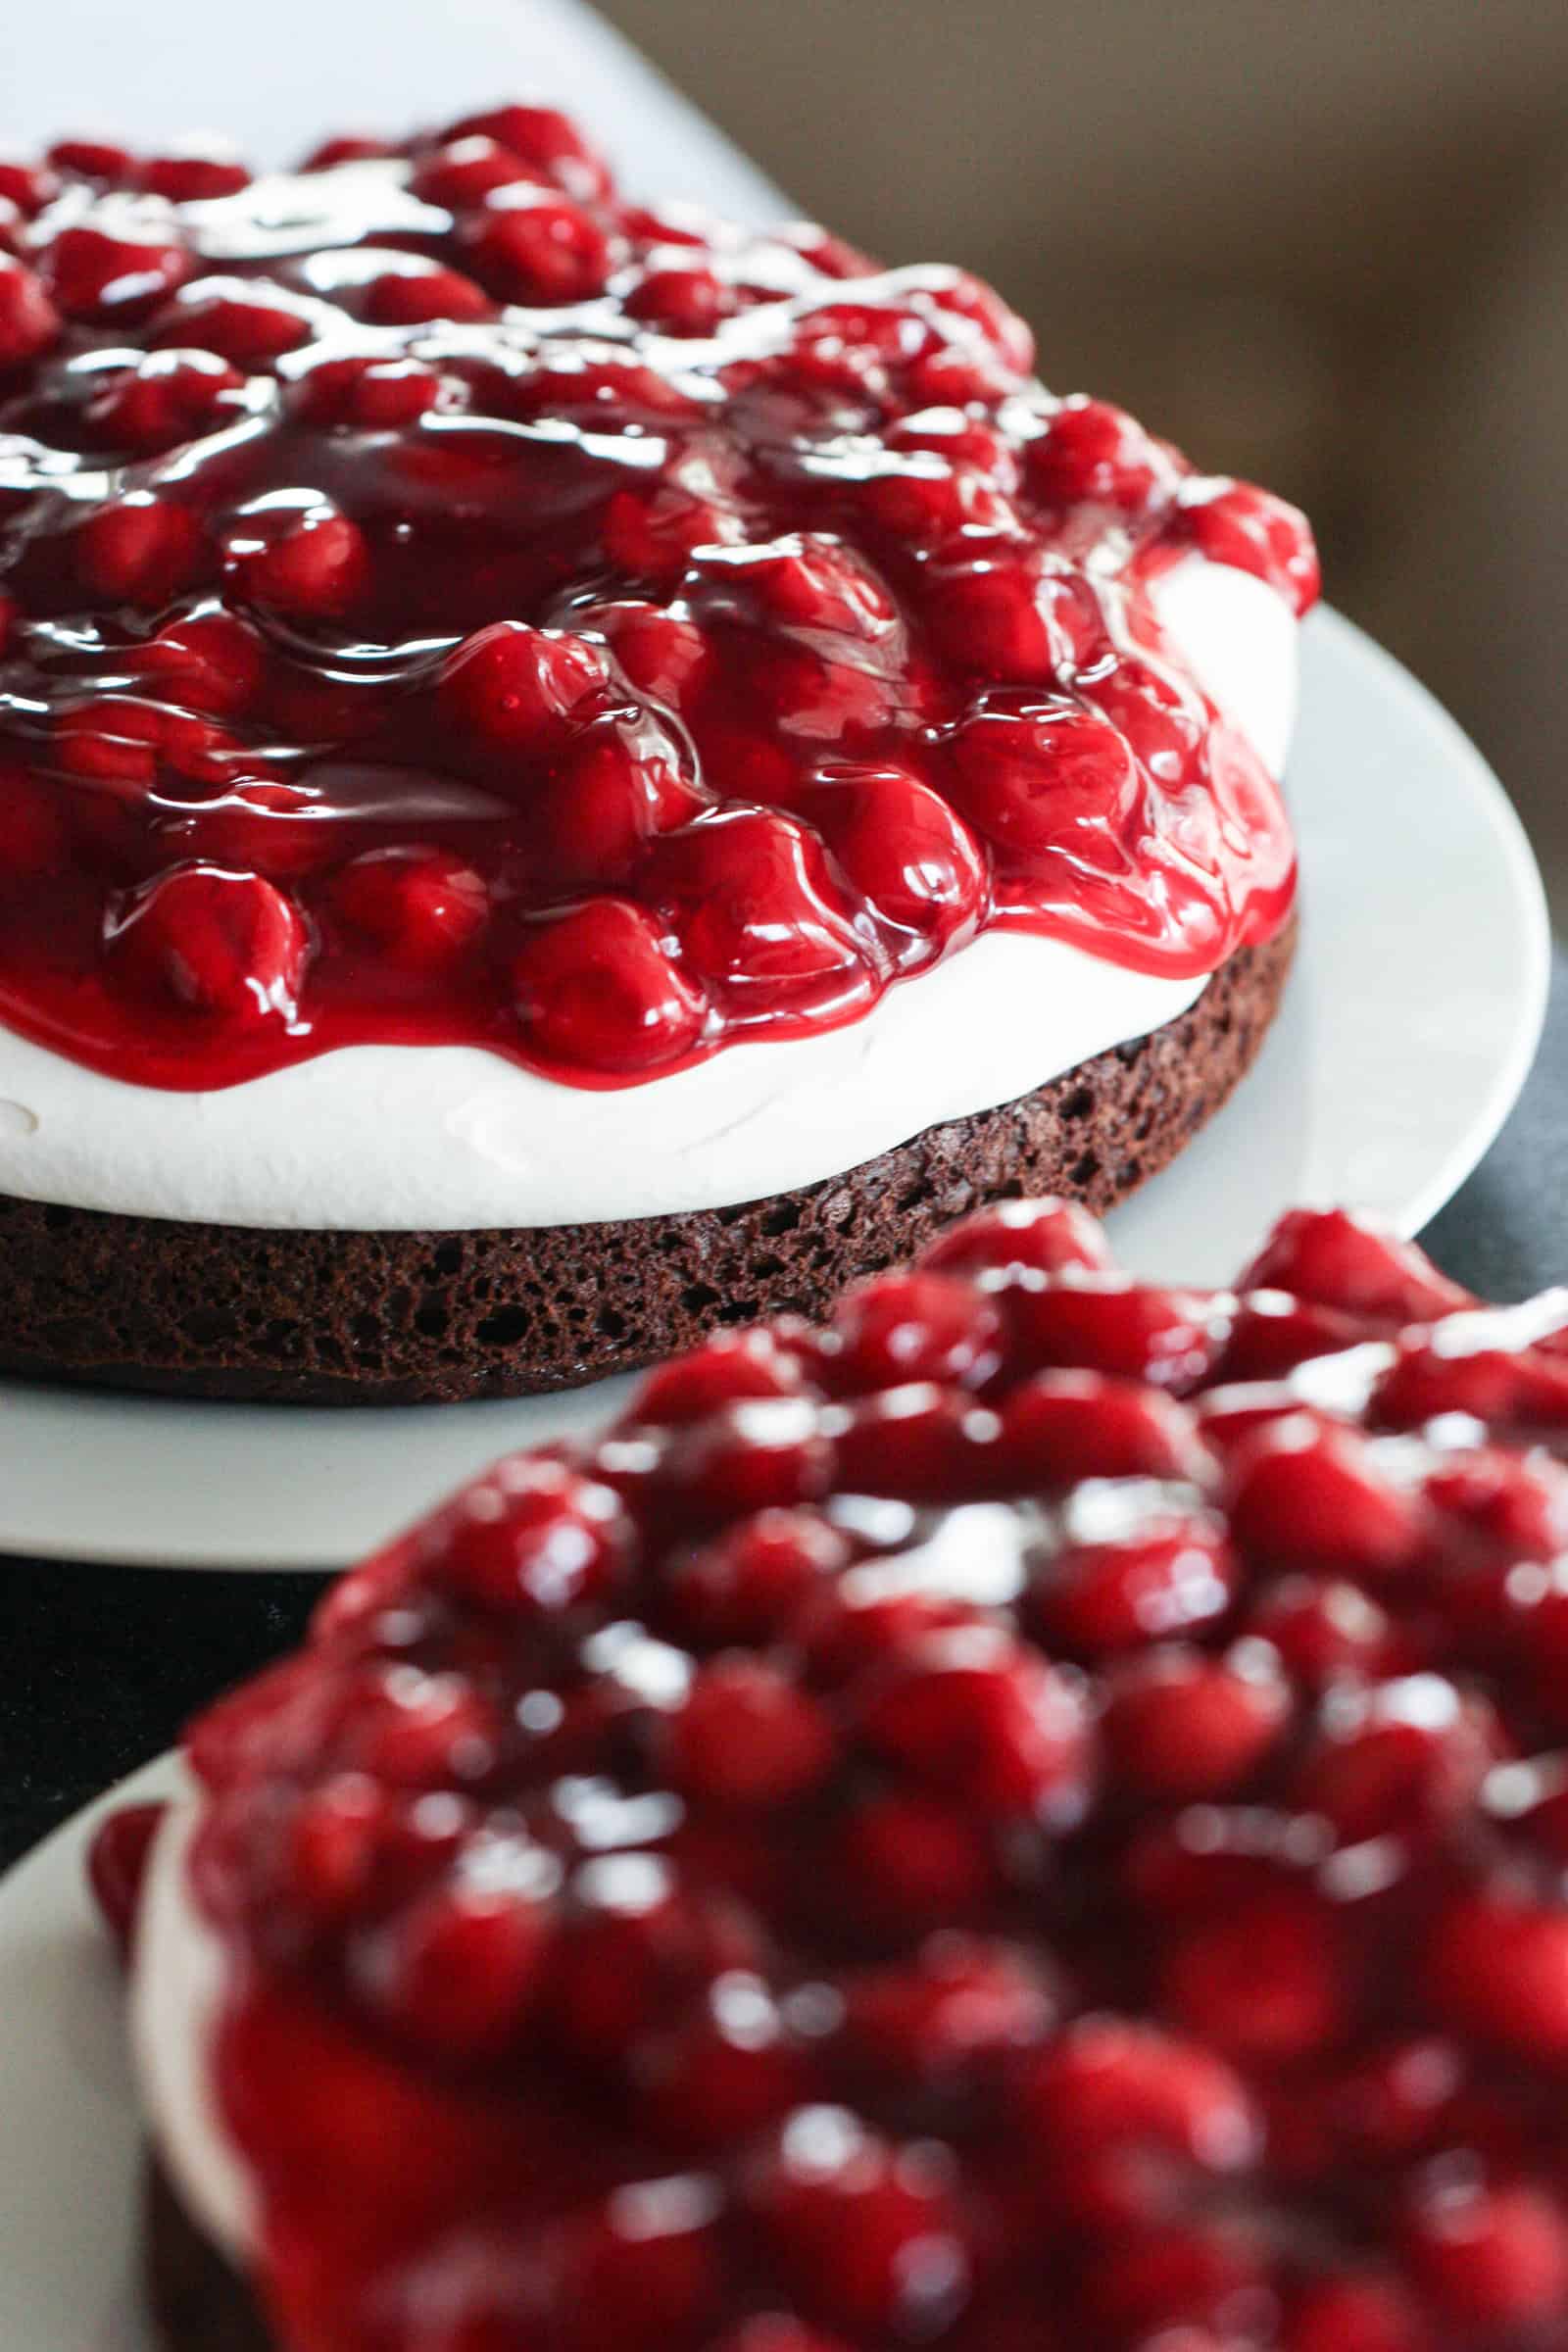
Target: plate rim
[(45, 1889)]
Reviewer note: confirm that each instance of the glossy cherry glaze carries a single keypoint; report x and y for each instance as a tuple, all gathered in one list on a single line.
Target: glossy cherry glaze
[(1033, 1818), (442, 602)]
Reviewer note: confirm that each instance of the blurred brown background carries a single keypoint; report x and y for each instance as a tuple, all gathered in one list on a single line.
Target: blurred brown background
[(1316, 241)]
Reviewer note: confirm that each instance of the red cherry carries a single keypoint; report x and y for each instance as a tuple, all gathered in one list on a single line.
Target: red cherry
[(94, 275), (1495, 2259), (117, 1866), (1357, 2314), (924, 1443), (530, 248), (748, 1584), (110, 739), (950, 2015), (29, 322), (139, 550), (905, 849), (213, 661), (463, 172), (1303, 1489), (1109, 2092), (1232, 522), (1351, 1263), (986, 1720), (347, 148), (1404, 1759), (683, 301), (458, 1974), (420, 907), (1033, 778), (1323, 1628), (548, 140), (1043, 1236), (759, 915), (208, 942), (761, 1454), (1123, 1575), (1181, 1726), (92, 159), (1106, 1322), (1263, 1982), (510, 687), (1090, 450), (332, 1845), (532, 1539), (915, 1857), (168, 397), (248, 321), (902, 1327), (1060, 1427), (863, 2230), (728, 1368), (374, 395), (1498, 1969), (652, 535), (28, 187), (612, 796), (410, 296), (665, 657), (597, 989), (746, 1735), (195, 173), (306, 563), (1013, 623), (728, 2074)]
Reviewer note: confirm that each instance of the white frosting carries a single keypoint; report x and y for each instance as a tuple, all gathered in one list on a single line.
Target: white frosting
[(399, 1137), (177, 1990)]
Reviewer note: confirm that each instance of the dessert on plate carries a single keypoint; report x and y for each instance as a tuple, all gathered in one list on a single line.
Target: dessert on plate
[(569, 771), (1029, 1818)]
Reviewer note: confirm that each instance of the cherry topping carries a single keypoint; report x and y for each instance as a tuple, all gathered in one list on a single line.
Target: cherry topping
[(892, 1844), (611, 552)]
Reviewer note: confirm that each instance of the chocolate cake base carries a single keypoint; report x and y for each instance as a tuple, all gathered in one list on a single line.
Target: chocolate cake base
[(377, 1318), (198, 2302)]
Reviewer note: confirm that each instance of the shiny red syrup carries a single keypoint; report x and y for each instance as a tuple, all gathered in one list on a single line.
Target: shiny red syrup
[(442, 602), (1031, 1819)]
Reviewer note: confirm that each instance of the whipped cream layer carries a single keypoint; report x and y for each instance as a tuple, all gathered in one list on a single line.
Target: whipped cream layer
[(398, 1139), (176, 1994)]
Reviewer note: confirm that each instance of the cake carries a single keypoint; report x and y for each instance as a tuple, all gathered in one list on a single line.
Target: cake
[(1030, 1818), (571, 771)]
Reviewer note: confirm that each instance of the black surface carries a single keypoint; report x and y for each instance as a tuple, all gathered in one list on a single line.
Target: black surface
[(103, 1665)]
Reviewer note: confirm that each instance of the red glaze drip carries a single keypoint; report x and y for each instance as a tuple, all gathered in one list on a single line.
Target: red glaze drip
[(1106, 1892), (441, 603)]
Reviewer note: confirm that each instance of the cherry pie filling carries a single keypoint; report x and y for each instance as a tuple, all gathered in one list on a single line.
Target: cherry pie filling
[(1032, 1817), (441, 601)]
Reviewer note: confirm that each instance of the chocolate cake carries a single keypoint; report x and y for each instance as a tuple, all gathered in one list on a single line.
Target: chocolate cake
[(570, 771)]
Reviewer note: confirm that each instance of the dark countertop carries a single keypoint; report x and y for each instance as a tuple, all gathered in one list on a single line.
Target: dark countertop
[(105, 1664)]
